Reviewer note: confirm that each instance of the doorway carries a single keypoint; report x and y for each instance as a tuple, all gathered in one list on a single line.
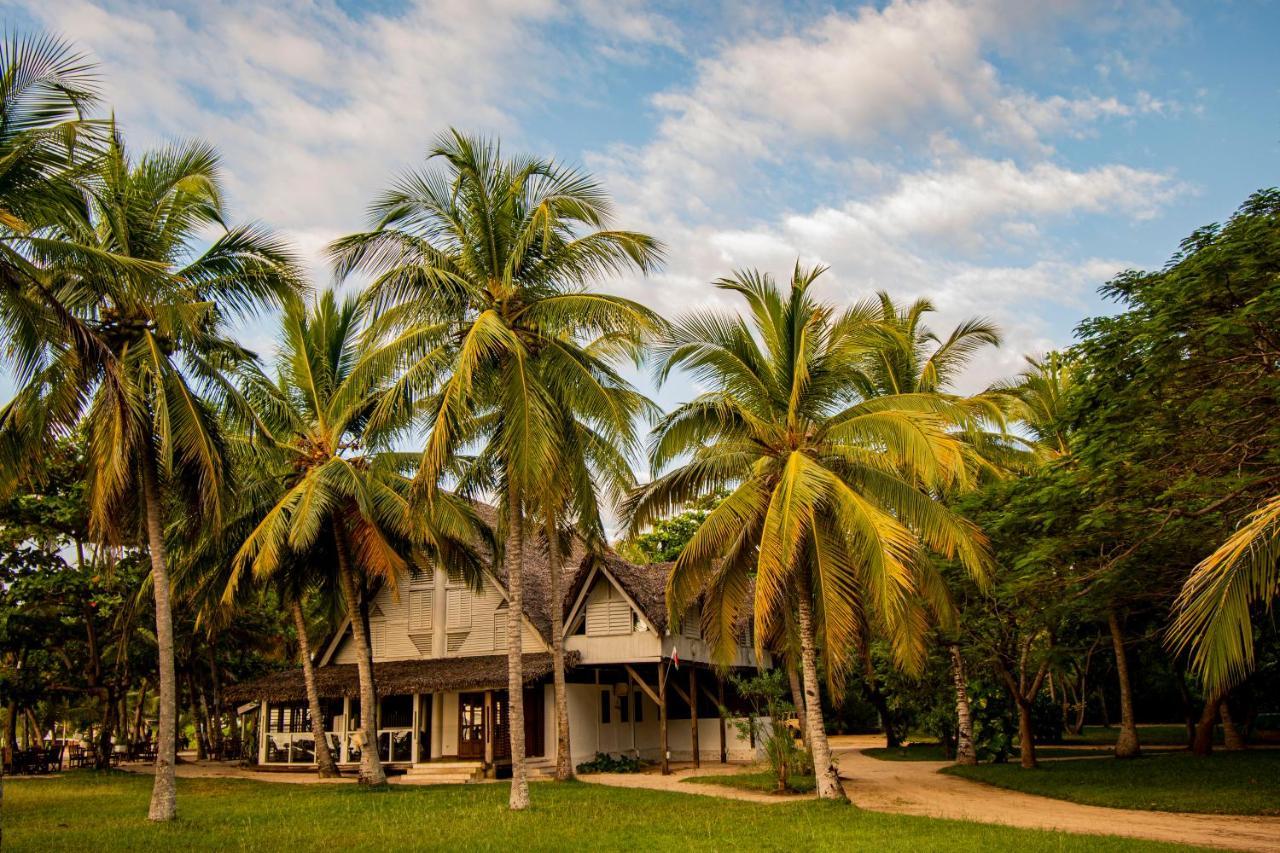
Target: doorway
[(471, 725)]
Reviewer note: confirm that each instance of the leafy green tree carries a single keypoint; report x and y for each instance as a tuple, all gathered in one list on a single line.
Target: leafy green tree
[(480, 282), (138, 349), (666, 538), (1174, 426), (830, 506)]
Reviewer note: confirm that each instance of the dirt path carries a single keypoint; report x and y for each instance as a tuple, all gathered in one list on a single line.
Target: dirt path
[(916, 787)]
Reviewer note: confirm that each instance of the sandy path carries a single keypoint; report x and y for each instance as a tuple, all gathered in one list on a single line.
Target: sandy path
[(916, 787)]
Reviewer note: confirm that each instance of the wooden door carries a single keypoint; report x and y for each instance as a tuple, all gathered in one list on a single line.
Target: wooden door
[(471, 725)]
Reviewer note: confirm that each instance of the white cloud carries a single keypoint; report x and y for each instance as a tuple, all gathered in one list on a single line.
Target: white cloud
[(314, 111), (888, 79)]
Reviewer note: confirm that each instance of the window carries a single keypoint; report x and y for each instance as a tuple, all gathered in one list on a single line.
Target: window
[(500, 629), (421, 603), (397, 712), (605, 710), (457, 609), (639, 706), (608, 612), (624, 709)]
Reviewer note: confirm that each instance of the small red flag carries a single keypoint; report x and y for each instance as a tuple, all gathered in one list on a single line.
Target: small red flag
[(675, 657)]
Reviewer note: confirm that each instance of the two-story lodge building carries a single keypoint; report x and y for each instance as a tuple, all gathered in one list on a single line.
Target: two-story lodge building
[(635, 687)]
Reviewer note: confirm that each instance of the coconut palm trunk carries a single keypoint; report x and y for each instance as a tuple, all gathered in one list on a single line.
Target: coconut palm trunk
[(1202, 743), (564, 759), (371, 772), (1232, 738), (797, 699), (515, 662), (823, 769), (1127, 745), (164, 793), (325, 765), (965, 751)]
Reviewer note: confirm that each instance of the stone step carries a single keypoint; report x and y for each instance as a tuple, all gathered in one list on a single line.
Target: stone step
[(445, 772)]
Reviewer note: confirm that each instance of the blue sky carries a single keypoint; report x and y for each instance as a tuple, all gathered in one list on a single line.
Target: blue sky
[(1001, 158)]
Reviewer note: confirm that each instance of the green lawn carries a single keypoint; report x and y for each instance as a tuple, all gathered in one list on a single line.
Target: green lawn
[(85, 811), (927, 751), (1225, 783), (1171, 734), (761, 781)]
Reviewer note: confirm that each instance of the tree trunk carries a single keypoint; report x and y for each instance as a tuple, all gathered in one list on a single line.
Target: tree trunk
[(1188, 709), (371, 772), (1232, 739), (202, 745), (892, 739), (1203, 743), (564, 759), (324, 756), (965, 752), (164, 793), (1127, 745), (212, 740), (1026, 736), (519, 798), (103, 748), (215, 703), (11, 726), (139, 710), (797, 699), (824, 770)]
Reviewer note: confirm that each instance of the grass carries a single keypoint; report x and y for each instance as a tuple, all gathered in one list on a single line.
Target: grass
[(1225, 783), (763, 780), (923, 751), (1172, 734), (932, 751), (89, 811)]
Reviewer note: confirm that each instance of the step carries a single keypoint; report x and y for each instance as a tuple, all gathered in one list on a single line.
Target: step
[(445, 772)]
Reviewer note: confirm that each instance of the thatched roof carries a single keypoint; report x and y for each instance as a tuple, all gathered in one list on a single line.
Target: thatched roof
[(646, 584), (485, 672)]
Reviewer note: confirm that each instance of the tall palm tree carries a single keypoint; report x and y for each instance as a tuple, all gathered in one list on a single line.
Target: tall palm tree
[(46, 145), (137, 350), (831, 506), (481, 269), (208, 577), (1211, 614), (334, 484)]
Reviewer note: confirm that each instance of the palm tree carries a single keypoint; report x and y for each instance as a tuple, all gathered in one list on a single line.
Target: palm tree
[(208, 576), (1211, 614), (831, 493), (137, 350), (46, 145), (1040, 392), (480, 273), (334, 486)]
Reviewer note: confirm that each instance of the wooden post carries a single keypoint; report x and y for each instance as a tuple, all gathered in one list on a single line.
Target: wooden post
[(693, 715), (489, 726), (724, 743), (662, 717)]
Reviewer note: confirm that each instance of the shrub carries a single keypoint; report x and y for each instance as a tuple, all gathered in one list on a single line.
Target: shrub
[(771, 709), (604, 763)]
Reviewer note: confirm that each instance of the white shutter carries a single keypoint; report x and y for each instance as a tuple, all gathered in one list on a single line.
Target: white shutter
[(458, 609), (500, 630), (690, 627), (378, 638), (421, 607), (607, 611), (619, 616)]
